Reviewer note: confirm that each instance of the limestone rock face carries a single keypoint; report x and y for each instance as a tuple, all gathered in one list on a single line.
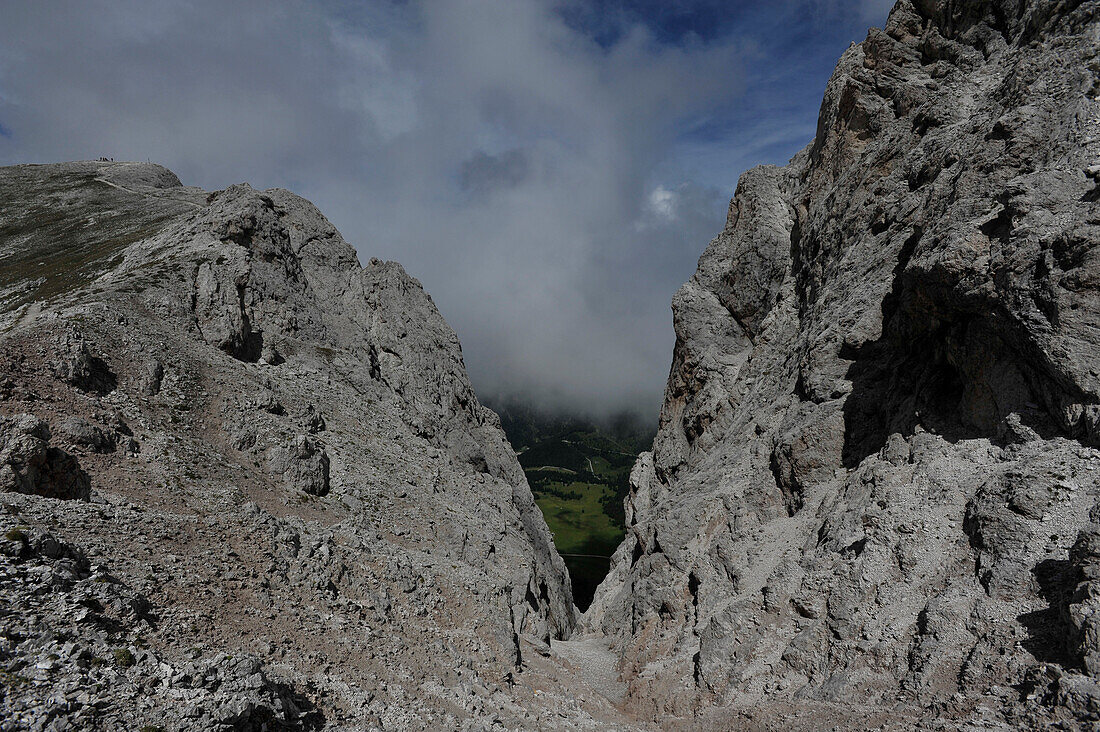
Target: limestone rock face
[(878, 444), (1082, 607), (326, 528)]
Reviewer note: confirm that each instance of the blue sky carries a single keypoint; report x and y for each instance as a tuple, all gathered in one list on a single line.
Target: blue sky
[(550, 169), (787, 51)]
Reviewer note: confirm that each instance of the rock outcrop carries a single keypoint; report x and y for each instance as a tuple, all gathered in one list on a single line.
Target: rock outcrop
[(879, 439), (28, 464), (280, 454)]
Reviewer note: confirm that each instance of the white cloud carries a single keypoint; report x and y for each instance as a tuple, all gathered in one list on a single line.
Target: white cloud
[(662, 202), (502, 157)]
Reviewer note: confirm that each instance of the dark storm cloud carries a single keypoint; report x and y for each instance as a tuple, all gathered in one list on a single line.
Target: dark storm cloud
[(550, 170)]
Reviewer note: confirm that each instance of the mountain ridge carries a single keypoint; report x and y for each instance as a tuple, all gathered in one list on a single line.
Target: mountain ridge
[(287, 504)]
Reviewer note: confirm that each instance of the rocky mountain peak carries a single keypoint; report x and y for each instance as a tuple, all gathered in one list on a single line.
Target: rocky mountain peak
[(877, 447), (274, 450)]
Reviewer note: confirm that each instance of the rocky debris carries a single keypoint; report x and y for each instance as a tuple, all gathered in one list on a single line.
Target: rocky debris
[(73, 655), (877, 446), (243, 438), (303, 463), (28, 464)]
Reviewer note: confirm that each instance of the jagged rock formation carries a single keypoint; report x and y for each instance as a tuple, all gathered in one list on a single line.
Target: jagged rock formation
[(868, 501), (296, 513)]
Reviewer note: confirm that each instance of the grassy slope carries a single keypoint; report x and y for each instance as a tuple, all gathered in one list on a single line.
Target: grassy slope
[(61, 235), (580, 525), (579, 474)]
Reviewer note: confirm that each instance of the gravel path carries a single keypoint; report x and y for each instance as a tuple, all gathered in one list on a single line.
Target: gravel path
[(596, 665)]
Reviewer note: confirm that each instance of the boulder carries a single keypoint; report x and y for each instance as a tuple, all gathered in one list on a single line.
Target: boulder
[(82, 433), (28, 464), (303, 464), (75, 365)]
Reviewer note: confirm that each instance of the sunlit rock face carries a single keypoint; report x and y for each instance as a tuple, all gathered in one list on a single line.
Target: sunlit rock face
[(246, 483), (879, 438)]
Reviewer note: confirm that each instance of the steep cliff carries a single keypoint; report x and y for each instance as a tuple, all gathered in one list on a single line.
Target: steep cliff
[(868, 502), (248, 482)]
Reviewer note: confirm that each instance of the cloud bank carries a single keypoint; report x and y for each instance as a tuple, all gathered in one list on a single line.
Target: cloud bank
[(550, 170)]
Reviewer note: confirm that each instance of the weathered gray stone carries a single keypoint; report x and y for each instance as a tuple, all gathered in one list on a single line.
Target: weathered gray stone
[(315, 421), (303, 464), (877, 443), (76, 365), (406, 562), (29, 465), (152, 376), (80, 432)]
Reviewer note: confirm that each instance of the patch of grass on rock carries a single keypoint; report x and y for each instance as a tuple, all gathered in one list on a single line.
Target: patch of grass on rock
[(123, 658)]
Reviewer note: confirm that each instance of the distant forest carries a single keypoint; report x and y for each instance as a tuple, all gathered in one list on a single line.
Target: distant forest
[(526, 425)]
